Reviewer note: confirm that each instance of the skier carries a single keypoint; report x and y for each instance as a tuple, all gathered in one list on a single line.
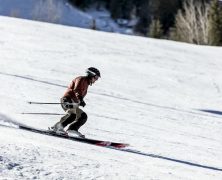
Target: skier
[(72, 99)]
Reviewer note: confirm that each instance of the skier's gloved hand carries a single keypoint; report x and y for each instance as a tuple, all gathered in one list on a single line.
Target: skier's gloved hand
[(82, 103), (68, 105)]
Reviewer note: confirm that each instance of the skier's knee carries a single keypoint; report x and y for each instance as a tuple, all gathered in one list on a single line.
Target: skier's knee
[(79, 122), (83, 118), (67, 119), (84, 115)]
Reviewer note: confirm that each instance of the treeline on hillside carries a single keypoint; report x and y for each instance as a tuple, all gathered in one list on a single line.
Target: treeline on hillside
[(192, 21)]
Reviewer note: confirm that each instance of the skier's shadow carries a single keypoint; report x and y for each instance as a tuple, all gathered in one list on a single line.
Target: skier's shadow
[(132, 151), (171, 159), (211, 111)]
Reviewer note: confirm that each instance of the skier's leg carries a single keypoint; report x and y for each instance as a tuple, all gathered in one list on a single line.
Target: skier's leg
[(68, 118), (80, 120)]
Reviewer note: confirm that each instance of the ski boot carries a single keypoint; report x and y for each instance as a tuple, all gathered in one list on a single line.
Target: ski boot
[(58, 129), (74, 133)]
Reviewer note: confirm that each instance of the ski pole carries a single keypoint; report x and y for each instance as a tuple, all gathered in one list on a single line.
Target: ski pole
[(30, 102), (65, 103), (42, 113)]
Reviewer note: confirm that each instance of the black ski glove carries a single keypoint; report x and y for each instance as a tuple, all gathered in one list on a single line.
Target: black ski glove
[(82, 102), (67, 103)]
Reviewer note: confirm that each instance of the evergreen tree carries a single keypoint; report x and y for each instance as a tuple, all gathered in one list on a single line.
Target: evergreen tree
[(121, 8), (82, 3), (116, 8), (157, 9), (155, 29), (144, 10), (144, 14), (167, 11), (215, 23)]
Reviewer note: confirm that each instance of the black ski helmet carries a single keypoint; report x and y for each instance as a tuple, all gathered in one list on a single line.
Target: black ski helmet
[(91, 72)]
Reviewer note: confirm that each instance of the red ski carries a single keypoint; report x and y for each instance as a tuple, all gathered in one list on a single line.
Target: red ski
[(79, 139)]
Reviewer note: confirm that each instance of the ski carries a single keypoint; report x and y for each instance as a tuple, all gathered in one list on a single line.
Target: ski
[(78, 139)]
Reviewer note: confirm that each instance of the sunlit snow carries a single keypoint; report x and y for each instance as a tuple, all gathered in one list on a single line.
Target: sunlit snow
[(164, 98)]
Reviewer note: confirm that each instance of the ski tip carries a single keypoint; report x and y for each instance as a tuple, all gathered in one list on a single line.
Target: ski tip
[(122, 145)]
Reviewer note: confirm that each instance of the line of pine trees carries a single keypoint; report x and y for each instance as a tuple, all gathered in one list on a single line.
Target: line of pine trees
[(192, 21)]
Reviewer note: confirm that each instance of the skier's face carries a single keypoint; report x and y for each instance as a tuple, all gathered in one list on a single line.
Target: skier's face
[(94, 79)]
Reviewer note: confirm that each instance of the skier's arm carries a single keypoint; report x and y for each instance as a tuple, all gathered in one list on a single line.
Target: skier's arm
[(72, 85), (78, 89)]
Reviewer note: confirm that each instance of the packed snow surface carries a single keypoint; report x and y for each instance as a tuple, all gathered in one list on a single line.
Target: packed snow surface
[(163, 98)]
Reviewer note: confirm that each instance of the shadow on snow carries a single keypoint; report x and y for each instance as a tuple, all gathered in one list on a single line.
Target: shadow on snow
[(130, 150), (125, 99), (211, 111), (144, 103), (171, 159)]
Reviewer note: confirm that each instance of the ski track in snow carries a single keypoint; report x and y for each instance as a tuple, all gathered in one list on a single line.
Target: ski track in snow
[(116, 97), (34, 163), (40, 172), (17, 167)]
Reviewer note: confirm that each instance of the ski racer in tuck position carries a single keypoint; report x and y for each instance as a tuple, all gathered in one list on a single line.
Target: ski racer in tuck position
[(72, 99)]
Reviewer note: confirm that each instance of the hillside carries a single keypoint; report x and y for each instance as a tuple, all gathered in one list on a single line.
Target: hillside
[(161, 97), (61, 12)]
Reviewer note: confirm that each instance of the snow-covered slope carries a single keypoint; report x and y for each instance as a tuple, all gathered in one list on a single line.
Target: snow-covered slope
[(161, 97), (61, 12)]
